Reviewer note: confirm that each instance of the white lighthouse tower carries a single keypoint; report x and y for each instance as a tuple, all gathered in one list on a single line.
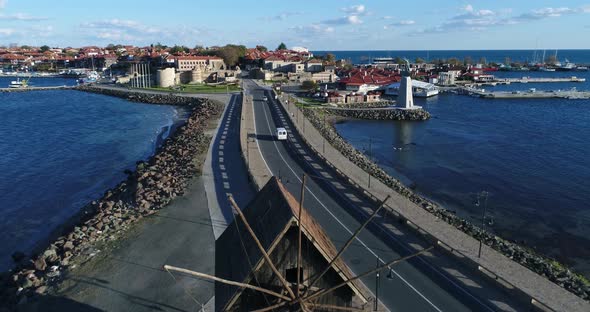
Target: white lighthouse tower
[(405, 97)]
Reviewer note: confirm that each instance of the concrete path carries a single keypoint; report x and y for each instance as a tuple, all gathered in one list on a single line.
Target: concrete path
[(131, 278)]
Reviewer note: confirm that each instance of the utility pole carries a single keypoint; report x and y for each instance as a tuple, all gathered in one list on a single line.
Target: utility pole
[(370, 158), (376, 306), (324, 138), (483, 194)]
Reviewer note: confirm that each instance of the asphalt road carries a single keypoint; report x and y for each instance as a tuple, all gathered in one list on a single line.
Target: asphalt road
[(416, 285)]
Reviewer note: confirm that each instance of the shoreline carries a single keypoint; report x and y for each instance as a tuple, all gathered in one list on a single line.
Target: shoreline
[(538, 263), (150, 187)]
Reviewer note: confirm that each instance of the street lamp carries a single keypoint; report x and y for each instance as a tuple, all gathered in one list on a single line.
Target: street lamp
[(484, 195)]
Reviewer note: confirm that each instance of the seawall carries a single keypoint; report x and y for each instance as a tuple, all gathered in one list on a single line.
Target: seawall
[(378, 113), (150, 187)]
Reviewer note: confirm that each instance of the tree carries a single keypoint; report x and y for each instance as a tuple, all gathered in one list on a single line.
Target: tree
[(330, 58), (199, 47), (25, 47), (282, 46), (179, 49), (44, 48), (453, 61), (309, 85), (467, 60), (398, 60), (261, 48), (231, 53), (419, 60)]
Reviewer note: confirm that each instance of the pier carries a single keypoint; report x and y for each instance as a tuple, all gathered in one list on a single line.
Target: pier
[(7, 90), (541, 80)]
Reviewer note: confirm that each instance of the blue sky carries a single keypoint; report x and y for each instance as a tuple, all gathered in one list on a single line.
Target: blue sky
[(318, 25)]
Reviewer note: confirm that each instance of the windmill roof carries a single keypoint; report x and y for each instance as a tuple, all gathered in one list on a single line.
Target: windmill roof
[(271, 214)]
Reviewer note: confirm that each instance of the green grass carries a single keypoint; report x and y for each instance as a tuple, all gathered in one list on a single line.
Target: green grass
[(309, 101), (200, 88)]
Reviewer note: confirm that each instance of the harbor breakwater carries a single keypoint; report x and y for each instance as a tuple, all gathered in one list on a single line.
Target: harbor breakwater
[(379, 113), (153, 184), (552, 270)]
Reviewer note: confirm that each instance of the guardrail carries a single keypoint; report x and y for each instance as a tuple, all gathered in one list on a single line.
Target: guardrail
[(465, 258)]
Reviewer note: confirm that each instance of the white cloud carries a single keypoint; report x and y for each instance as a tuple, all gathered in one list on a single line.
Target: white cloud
[(345, 20), (2, 4), (470, 19), (6, 31), (404, 23), (313, 29), (387, 17), (281, 16), (355, 9), (21, 17)]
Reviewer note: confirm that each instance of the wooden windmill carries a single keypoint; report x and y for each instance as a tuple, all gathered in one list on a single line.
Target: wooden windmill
[(276, 257)]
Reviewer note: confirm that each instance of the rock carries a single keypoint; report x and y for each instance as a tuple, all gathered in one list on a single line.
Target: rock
[(41, 290), (40, 264), (69, 245)]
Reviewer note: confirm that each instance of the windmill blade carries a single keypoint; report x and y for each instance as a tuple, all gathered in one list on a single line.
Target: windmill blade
[(333, 307), (393, 262), (264, 253), (347, 244), (299, 235), (221, 280)]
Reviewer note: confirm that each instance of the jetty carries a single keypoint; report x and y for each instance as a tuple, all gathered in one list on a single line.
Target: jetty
[(531, 94), (7, 90), (541, 80)]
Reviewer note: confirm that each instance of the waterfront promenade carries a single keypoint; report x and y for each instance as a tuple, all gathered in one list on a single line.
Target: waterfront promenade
[(537, 290)]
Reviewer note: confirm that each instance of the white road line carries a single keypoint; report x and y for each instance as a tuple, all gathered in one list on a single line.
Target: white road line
[(338, 220)]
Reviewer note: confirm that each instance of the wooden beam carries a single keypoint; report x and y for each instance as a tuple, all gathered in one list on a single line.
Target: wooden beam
[(221, 280), (347, 244), (299, 237), (261, 248), (324, 292), (333, 307)]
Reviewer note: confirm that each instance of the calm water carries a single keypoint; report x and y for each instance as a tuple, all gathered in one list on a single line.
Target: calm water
[(498, 56), (531, 155), (62, 149)]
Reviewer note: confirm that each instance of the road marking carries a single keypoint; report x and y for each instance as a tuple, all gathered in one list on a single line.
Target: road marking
[(336, 218)]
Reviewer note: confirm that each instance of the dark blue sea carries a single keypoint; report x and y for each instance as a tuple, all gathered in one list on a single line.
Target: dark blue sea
[(62, 149), (532, 156), (496, 56), (39, 81)]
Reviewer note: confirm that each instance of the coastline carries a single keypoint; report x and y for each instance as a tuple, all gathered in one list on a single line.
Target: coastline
[(148, 188), (542, 265)]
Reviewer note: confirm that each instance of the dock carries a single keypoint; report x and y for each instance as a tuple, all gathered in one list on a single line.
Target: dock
[(8, 90), (540, 80), (565, 94)]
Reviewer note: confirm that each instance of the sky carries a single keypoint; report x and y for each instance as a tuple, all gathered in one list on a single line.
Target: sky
[(317, 25)]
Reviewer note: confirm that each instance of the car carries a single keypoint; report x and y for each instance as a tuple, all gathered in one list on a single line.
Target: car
[(281, 134)]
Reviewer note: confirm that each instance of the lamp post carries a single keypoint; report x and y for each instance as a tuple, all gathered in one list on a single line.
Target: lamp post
[(483, 194), (370, 158), (376, 306)]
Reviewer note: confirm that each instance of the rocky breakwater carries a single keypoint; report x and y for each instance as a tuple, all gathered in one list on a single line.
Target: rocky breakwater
[(379, 113), (552, 270), (150, 187)]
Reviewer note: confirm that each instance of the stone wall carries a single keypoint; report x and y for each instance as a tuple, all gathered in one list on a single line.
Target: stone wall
[(379, 114), (150, 187)]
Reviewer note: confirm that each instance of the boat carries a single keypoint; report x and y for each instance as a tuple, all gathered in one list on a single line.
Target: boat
[(546, 69), (582, 68), (18, 83), (568, 66), (92, 77), (419, 89)]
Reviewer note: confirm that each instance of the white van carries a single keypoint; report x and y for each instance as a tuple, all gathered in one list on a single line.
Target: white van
[(281, 134)]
